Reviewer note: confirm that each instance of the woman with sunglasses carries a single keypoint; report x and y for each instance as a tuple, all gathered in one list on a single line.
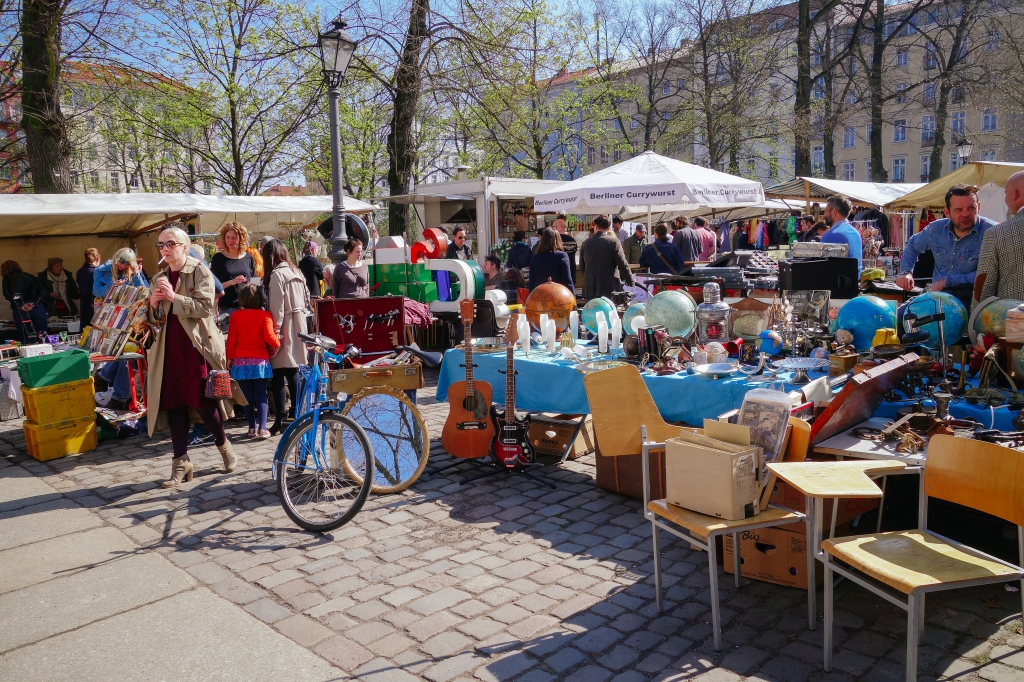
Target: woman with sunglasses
[(186, 345)]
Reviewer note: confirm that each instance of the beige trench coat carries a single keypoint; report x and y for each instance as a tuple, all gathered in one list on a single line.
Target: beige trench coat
[(288, 303), (193, 304)]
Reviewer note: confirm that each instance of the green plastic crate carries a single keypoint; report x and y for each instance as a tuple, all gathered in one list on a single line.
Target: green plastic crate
[(56, 368)]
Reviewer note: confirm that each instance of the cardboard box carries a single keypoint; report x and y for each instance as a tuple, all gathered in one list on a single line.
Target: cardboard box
[(712, 477), (550, 436), (850, 508), (773, 555), (839, 365)]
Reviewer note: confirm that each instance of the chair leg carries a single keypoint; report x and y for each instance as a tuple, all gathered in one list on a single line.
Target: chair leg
[(736, 558), (827, 629), (716, 616), (812, 615), (657, 563), (920, 615), (913, 616)]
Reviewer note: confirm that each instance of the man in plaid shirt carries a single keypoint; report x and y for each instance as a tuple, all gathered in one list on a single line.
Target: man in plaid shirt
[(1001, 264)]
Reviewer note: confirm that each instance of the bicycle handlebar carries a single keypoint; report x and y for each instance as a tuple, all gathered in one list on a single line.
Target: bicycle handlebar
[(319, 340)]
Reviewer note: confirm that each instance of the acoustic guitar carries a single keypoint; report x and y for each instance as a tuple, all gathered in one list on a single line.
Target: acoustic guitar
[(511, 444), (468, 432)]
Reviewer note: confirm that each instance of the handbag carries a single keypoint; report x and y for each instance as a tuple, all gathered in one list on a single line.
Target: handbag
[(218, 384)]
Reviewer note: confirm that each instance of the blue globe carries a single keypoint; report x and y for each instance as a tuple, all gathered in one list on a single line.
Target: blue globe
[(632, 311), (593, 311), (862, 317), (928, 304), (675, 310)]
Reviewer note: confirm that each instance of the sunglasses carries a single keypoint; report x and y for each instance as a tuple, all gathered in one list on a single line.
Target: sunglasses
[(166, 245)]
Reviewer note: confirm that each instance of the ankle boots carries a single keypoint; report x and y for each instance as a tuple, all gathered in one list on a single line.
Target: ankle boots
[(228, 455), (181, 469)]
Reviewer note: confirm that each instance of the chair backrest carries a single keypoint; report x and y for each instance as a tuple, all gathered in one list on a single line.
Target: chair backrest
[(485, 323), (620, 404), (983, 476)]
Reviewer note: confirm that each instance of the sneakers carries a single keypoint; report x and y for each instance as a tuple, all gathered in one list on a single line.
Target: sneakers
[(103, 399), (197, 437)]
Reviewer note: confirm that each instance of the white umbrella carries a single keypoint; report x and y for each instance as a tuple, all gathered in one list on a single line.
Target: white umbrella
[(651, 180)]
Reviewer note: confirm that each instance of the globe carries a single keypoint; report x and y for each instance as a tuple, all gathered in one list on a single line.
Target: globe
[(594, 309), (862, 317), (673, 309), (991, 318), (632, 311), (769, 342), (553, 299), (928, 304)]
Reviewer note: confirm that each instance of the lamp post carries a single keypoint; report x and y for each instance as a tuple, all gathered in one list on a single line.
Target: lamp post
[(336, 48), (964, 149)]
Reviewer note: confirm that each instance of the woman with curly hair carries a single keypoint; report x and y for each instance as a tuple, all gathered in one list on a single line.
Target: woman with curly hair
[(233, 265)]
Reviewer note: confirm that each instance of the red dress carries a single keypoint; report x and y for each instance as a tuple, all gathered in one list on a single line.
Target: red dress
[(184, 377)]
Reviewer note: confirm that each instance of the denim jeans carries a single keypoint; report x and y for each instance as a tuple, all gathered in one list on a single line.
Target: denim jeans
[(117, 374)]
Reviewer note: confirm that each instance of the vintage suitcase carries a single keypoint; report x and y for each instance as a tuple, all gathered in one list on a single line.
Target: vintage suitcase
[(624, 475), (374, 325)]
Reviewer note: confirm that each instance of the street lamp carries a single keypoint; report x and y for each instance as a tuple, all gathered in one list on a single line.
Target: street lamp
[(336, 49), (964, 149)]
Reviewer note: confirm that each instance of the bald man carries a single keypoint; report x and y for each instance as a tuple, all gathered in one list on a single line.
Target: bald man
[(1001, 264)]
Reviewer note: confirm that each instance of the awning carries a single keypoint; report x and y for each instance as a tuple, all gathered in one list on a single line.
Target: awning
[(129, 215), (977, 173), (820, 189), (768, 206)]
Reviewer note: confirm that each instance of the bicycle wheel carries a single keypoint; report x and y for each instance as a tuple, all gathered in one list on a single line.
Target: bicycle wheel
[(313, 481), (398, 436)]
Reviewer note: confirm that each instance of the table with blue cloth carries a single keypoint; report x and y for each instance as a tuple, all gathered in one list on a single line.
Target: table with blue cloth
[(546, 383)]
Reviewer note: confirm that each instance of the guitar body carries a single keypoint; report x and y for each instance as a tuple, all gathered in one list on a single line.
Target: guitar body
[(468, 431), (511, 445)]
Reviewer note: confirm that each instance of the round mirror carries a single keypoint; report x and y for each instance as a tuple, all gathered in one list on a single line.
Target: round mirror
[(397, 434)]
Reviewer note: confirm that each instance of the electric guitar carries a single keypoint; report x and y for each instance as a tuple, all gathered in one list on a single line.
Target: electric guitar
[(511, 444), (467, 431)]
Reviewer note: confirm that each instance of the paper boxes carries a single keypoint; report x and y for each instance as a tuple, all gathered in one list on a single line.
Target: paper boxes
[(712, 477)]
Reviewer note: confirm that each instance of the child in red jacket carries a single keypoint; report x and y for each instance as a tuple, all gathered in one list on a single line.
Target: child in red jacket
[(251, 343)]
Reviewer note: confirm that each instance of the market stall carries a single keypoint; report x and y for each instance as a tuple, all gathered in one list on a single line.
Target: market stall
[(817, 190), (988, 176)]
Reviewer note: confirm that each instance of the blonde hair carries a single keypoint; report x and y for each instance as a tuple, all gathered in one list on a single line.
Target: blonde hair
[(124, 255), (239, 229), (257, 260), (180, 235), (92, 256)]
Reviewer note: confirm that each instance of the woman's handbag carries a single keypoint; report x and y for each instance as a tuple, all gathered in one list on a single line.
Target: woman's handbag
[(218, 384)]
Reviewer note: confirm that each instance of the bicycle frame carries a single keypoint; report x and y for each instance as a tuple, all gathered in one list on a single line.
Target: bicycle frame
[(312, 396)]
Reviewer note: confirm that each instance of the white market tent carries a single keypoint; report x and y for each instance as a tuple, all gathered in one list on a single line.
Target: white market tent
[(807, 190), (976, 173), (732, 212), (131, 215), (656, 182)]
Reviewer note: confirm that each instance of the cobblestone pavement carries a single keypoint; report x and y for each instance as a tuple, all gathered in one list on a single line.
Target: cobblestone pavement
[(502, 579)]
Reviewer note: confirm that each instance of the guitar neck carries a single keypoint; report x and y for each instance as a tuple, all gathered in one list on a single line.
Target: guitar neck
[(510, 384), (468, 339)]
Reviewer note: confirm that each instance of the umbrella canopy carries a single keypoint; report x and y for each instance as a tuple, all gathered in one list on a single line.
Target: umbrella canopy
[(650, 180)]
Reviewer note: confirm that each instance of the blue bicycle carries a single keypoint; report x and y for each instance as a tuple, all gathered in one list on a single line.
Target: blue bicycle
[(324, 462)]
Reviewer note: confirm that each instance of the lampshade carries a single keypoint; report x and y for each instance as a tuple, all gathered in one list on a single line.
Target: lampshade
[(964, 148), (336, 48)]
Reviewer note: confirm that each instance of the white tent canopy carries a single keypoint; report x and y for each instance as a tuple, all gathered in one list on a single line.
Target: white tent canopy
[(976, 173), (650, 180), (820, 189), (731, 212), (130, 215)]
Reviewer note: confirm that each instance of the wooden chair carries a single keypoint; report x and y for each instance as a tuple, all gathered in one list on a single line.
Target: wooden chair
[(912, 563), (626, 422)]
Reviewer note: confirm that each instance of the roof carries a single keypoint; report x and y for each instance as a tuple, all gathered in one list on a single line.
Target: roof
[(51, 215), (977, 173), (820, 189), (284, 191)]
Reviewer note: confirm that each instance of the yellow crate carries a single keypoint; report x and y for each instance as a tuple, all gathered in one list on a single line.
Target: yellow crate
[(60, 402), (51, 441)]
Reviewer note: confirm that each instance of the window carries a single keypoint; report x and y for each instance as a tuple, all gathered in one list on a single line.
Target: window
[(957, 94), (901, 93), (926, 168), (617, 155), (954, 160), (989, 121), (93, 152), (899, 170), (963, 54), (633, 145), (993, 40), (958, 123), (928, 98), (817, 126), (617, 125), (816, 55), (867, 131), (633, 124), (988, 154), (903, 57), (115, 182), (818, 91), (818, 161), (849, 170), (591, 156), (94, 178), (134, 181), (931, 58), (604, 154), (666, 88), (5, 170), (851, 95), (681, 84), (899, 130), (927, 131), (867, 171), (849, 137), (666, 116), (851, 67)]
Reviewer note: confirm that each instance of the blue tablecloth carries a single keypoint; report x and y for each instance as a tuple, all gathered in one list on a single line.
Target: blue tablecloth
[(547, 384)]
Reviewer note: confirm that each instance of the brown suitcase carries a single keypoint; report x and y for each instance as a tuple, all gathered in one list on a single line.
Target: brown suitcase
[(624, 475)]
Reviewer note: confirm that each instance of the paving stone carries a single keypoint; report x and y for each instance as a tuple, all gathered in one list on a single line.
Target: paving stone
[(237, 590), (534, 625), (509, 613), (343, 652), (507, 667), (369, 632), (267, 610), (591, 673), (209, 572), (426, 628), (443, 599), (445, 644), (600, 639), (452, 666), (481, 628), (303, 630)]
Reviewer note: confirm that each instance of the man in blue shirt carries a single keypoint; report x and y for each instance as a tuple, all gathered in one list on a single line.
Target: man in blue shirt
[(837, 210), (955, 241), (661, 256)]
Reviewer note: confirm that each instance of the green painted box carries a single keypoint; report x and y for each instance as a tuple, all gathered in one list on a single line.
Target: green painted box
[(392, 289), (419, 272), (392, 273), (56, 368), (424, 292)]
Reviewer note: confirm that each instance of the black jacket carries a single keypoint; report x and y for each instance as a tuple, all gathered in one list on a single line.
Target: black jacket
[(519, 256), (25, 284), (553, 266), (313, 271), (50, 302)]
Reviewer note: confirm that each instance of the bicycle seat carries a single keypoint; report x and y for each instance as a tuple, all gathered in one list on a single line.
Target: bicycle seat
[(325, 342), (429, 360)]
